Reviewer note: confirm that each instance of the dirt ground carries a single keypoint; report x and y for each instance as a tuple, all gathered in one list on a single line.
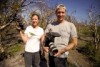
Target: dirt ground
[(75, 58)]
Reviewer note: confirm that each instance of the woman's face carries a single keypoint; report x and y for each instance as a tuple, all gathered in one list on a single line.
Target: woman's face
[(61, 13), (35, 20)]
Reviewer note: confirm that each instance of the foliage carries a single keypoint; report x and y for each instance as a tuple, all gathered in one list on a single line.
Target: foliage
[(97, 58), (84, 31), (8, 34), (14, 49), (11, 51), (3, 4), (87, 46)]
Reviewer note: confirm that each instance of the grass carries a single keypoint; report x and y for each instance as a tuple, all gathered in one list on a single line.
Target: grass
[(14, 49)]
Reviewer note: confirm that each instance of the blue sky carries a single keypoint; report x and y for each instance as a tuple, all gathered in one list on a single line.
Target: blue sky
[(77, 8)]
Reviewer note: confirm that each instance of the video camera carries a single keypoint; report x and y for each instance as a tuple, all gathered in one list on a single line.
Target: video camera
[(20, 26), (19, 23), (49, 42)]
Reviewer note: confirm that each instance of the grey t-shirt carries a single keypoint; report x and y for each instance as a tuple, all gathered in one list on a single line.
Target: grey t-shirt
[(66, 30)]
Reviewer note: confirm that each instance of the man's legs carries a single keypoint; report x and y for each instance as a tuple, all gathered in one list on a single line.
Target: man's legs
[(62, 62), (43, 60), (57, 62), (51, 61)]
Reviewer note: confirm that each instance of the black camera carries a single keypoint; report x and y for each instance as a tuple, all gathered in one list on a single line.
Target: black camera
[(20, 26), (19, 23), (49, 42)]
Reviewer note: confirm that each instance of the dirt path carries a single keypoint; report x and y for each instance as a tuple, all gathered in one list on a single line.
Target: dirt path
[(16, 61), (75, 58), (78, 59)]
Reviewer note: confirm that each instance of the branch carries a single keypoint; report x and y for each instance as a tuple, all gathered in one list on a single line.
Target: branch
[(4, 26), (33, 2)]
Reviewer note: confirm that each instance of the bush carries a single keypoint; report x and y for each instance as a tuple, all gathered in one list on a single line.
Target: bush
[(14, 49)]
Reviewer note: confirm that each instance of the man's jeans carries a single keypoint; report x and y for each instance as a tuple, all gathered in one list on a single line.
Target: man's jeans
[(57, 62)]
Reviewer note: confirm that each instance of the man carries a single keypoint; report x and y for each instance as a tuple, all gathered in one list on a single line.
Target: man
[(66, 41)]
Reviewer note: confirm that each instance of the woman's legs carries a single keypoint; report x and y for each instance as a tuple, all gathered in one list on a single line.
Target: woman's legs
[(28, 59), (36, 59)]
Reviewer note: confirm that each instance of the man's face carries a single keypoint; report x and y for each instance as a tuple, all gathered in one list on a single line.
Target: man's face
[(60, 13)]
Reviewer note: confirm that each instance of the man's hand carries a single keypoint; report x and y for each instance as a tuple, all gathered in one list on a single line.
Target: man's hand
[(60, 52)]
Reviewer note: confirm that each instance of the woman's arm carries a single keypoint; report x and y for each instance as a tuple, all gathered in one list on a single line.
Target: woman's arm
[(24, 37)]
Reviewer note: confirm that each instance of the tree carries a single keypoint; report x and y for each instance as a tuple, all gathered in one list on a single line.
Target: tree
[(94, 22), (9, 10)]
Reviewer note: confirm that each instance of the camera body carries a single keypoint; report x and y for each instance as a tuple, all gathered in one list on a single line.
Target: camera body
[(20, 26), (19, 23), (49, 42)]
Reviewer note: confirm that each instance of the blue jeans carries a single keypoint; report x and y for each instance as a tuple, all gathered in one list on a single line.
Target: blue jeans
[(43, 61), (32, 59), (57, 62)]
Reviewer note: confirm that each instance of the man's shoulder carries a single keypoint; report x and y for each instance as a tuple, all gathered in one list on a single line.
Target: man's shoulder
[(69, 23), (54, 23), (65, 23)]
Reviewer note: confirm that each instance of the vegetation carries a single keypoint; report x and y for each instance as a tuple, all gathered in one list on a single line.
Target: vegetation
[(14, 49), (86, 41)]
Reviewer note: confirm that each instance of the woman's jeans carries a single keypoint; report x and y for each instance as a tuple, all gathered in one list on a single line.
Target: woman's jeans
[(32, 59)]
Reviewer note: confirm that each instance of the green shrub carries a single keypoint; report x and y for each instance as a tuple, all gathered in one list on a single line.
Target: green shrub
[(14, 49)]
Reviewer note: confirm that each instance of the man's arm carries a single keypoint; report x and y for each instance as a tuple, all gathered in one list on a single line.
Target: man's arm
[(70, 46), (73, 41)]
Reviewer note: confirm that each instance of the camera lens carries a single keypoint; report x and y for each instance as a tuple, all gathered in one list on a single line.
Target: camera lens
[(55, 51)]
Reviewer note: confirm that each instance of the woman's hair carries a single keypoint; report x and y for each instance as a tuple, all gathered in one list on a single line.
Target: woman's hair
[(33, 14), (60, 6)]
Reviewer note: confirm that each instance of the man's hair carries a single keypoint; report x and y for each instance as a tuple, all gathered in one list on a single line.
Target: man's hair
[(60, 6)]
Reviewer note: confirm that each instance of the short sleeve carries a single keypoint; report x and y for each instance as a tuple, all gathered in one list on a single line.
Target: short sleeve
[(42, 31), (73, 30), (47, 28), (26, 31)]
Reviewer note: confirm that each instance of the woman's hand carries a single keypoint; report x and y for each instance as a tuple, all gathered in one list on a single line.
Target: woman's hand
[(46, 49)]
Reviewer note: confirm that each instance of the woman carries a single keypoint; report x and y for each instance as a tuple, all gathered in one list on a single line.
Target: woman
[(32, 38)]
